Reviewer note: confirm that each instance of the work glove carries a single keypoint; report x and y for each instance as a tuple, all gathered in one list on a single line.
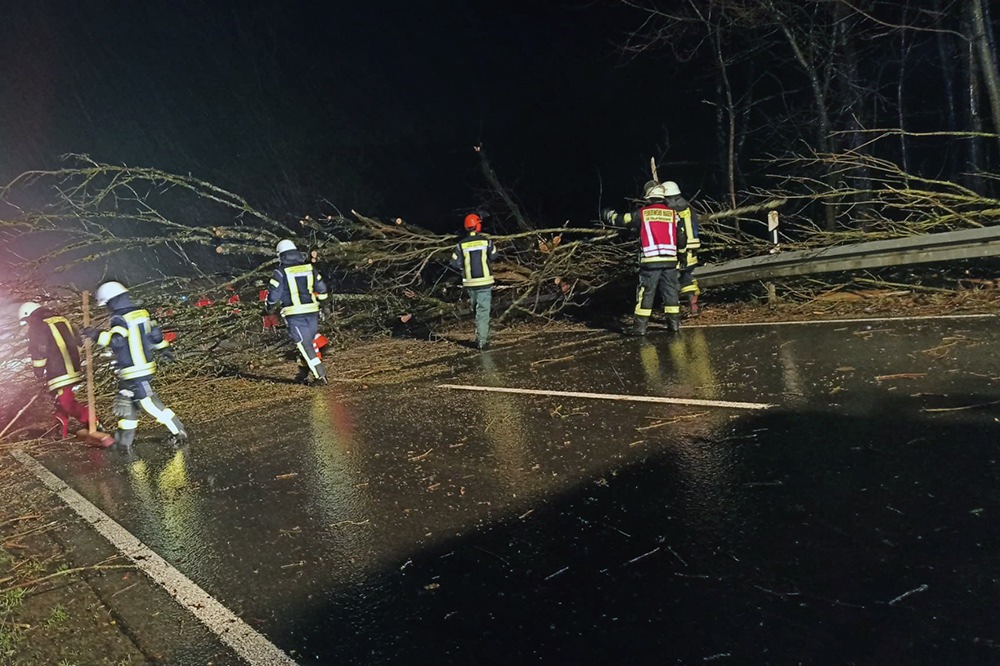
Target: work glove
[(90, 332), (325, 310), (265, 310), (609, 215), (122, 407), (167, 356)]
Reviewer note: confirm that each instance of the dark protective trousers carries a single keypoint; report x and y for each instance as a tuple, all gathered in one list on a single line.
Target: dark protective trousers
[(662, 280), (144, 399), (481, 299), (302, 330), (688, 284)]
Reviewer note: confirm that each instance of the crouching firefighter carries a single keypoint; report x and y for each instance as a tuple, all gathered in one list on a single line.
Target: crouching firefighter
[(134, 338), (298, 288), (55, 356), (659, 237)]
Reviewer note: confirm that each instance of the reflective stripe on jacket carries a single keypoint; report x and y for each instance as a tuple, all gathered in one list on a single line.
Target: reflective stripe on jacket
[(54, 349), (296, 285), (132, 337), (474, 256)]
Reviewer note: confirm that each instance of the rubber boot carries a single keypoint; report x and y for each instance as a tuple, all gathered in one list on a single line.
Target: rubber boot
[(124, 439), (639, 328), (63, 420), (674, 323), (178, 440), (303, 375), (181, 432)]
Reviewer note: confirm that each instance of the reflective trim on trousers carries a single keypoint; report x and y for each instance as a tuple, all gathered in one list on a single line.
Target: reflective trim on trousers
[(653, 281), (302, 331), (163, 415)]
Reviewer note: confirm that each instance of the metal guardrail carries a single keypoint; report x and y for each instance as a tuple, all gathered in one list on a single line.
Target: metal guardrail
[(948, 246)]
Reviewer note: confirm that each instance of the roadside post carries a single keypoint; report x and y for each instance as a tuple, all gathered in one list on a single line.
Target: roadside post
[(772, 230)]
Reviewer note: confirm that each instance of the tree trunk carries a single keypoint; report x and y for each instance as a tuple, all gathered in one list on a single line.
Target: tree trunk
[(494, 181), (946, 56), (982, 38), (816, 85), (904, 54), (975, 120)]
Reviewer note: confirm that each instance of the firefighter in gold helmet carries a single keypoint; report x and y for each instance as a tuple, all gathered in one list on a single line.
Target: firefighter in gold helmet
[(659, 238), (55, 356), (473, 257)]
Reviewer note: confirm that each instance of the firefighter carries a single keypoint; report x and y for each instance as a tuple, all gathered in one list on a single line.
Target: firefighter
[(656, 224), (474, 256), (133, 338), (55, 356), (298, 288), (687, 256)]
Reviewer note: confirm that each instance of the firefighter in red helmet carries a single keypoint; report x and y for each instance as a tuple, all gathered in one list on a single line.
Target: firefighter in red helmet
[(473, 257)]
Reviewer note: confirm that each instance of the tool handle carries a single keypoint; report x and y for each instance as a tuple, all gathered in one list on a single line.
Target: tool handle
[(89, 355)]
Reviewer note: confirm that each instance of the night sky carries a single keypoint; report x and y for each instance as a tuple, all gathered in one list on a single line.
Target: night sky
[(367, 105)]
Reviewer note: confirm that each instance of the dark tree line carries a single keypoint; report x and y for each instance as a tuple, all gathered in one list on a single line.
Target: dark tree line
[(914, 82)]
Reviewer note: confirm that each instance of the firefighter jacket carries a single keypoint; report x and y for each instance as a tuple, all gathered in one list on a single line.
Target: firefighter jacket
[(659, 233), (54, 348), (688, 221), (474, 256), (133, 337), (296, 285)]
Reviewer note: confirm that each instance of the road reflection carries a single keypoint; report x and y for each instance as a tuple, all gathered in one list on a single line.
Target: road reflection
[(707, 470), (504, 427), (338, 490), (171, 511)]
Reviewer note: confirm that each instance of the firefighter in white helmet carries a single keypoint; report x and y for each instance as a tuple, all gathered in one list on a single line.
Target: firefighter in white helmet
[(297, 287), (656, 224), (134, 338), (687, 254), (55, 356)]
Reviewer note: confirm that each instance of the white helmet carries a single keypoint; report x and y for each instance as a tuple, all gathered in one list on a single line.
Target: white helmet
[(654, 191), (285, 246), (670, 189), (25, 311), (109, 290)]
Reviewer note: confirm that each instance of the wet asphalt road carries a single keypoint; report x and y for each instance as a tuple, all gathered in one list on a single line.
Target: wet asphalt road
[(854, 522)]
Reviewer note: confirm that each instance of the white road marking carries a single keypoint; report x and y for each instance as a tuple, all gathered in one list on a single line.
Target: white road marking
[(695, 402), (234, 632)]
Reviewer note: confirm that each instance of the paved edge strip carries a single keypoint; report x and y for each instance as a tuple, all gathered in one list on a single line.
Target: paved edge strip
[(614, 396), (865, 320), (231, 630), (812, 322)]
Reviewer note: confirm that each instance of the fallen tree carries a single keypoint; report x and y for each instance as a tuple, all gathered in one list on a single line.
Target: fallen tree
[(194, 238)]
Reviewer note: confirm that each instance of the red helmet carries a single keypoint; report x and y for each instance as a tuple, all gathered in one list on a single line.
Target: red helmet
[(473, 222)]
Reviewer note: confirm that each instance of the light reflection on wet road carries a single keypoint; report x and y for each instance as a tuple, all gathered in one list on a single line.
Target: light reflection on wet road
[(411, 524)]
